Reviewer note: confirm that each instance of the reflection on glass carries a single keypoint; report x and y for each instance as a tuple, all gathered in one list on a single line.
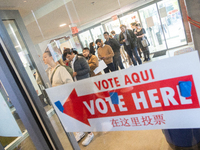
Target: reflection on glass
[(85, 38), (151, 23), (172, 23), (128, 19), (12, 128), (25, 58), (113, 25), (38, 85), (97, 33)]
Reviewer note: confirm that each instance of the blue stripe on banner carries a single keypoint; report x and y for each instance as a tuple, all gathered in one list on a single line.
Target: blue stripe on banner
[(114, 97), (59, 105)]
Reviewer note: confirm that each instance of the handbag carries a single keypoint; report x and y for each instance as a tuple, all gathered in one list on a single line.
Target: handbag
[(145, 42)]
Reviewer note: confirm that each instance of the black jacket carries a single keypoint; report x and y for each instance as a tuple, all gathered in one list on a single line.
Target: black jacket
[(113, 44), (81, 67), (132, 38)]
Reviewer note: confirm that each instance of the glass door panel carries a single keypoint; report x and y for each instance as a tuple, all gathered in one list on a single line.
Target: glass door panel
[(151, 23), (97, 33), (13, 134), (24, 55), (130, 18), (172, 23), (85, 38), (113, 25)]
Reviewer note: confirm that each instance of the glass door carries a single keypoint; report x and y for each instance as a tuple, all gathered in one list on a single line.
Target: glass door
[(113, 25), (19, 128), (97, 33), (172, 23), (26, 62), (151, 23), (130, 18), (85, 38), (12, 129)]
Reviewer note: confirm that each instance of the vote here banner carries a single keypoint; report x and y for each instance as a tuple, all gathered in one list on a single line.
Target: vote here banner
[(158, 95)]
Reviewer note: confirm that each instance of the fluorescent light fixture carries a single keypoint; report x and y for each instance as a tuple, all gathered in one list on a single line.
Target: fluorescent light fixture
[(64, 24), (17, 46)]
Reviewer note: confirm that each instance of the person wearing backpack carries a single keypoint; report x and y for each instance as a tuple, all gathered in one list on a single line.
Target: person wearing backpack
[(116, 49), (58, 74)]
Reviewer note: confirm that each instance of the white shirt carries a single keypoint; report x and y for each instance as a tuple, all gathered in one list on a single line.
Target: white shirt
[(72, 64)]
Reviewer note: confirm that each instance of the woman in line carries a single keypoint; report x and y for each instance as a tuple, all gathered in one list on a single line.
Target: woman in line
[(56, 72), (140, 32), (92, 49)]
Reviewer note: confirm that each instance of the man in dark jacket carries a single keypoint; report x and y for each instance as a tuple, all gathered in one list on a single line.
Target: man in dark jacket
[(116, 49), (78, 64), (129, 39), (81, 71)]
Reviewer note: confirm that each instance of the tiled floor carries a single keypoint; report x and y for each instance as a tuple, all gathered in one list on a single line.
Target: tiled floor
[(128, 140), (118, 140)]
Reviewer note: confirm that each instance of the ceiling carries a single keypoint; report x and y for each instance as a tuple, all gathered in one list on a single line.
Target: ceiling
[(43, 17)]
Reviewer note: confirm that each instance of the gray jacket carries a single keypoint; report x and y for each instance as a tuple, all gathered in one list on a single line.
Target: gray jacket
[(81, 67)]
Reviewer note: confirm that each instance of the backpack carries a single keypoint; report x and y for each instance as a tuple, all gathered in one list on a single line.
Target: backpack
[(70, 70)]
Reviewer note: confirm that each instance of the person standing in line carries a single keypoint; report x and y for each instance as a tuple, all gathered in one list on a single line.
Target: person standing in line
[(93, 61), (129, 39), (116, 49), (92, 49), (133, 26), (140, 35), (122, 51), (81, 71), (115, 36), (57, 73), (106, 54)]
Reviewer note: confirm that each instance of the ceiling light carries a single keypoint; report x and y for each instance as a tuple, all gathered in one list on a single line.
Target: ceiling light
[(17, 46), (64, 24), (24, 1)]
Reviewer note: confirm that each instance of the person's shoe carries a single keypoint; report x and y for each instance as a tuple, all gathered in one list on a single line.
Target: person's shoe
[(79, 136), (88, 139), (148, 59), (145, 60)]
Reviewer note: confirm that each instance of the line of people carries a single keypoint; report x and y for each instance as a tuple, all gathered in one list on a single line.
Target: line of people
[(73, 67)]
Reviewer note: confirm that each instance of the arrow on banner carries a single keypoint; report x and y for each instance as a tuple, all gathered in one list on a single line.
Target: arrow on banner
[(162, 95)]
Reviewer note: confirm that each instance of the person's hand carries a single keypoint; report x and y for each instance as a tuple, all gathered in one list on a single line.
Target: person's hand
[(74, 74), (124, 40)]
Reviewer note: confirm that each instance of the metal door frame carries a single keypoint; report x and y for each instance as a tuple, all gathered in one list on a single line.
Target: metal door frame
[(21, 103), (15, 15), (30, 103)]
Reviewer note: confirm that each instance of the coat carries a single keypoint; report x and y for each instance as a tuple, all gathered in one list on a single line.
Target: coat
[(114, 45), (81, 67), (93, 63), (132, 38)]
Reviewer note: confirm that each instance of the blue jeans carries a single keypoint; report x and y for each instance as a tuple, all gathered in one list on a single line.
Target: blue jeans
[(117, 61), (110, 67), (132, 52)]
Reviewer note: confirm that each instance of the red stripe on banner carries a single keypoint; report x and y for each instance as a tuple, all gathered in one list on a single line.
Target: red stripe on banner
[(157, 96)]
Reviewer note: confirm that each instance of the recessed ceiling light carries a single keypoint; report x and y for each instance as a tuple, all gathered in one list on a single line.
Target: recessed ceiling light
[(64, 24), (17, 46), (24, 1)]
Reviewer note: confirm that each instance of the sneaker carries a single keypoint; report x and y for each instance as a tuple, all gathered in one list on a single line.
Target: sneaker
[(79, 136), (88, 139)]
